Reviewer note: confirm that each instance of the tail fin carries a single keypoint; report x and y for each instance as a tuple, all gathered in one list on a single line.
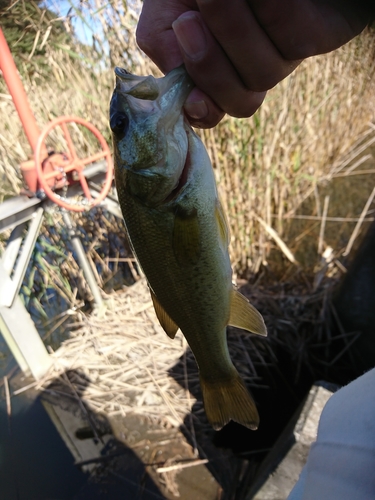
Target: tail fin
[(229, 400)]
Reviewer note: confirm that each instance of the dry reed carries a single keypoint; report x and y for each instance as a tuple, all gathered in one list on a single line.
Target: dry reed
[(266, 166), (297, 140), (123, 362)]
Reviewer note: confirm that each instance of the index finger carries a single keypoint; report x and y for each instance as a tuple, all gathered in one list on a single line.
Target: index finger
[(155, 35)]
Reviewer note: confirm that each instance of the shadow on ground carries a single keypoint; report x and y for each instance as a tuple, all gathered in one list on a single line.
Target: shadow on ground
[(40, 452), (43, 457)]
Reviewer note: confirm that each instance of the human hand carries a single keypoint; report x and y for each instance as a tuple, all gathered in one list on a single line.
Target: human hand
[(237, 50)]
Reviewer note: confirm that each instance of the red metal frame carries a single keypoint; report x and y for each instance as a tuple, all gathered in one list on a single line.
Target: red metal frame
[(18, 93), (44, 171), (57, 169)]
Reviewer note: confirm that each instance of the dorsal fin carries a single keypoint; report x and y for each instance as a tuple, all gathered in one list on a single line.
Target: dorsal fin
[(167, 323), (244, 315)]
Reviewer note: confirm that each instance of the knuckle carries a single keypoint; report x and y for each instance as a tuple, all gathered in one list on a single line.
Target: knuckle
[(266, 80), (143, 39), (247, 105)]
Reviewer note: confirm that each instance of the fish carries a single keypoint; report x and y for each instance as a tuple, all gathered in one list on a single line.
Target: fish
[(179, 233)]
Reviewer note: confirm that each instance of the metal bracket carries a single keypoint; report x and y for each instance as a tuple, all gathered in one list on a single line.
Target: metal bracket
[(16, 210), (10, 286), (22, 337), (16, 324)]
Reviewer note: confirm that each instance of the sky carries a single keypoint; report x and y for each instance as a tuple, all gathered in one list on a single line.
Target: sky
[(82, 28)]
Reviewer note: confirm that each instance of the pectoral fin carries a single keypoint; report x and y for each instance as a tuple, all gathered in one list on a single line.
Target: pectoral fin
[(222, 224), (244, 315), (186, 237), (169, 326)]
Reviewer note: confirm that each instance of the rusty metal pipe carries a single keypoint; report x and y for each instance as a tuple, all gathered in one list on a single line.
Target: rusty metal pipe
[(18, 93)]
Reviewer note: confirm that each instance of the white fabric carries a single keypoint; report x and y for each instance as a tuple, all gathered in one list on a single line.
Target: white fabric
[(341, 463)]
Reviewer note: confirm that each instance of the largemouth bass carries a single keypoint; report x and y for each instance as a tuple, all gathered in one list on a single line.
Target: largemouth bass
[(179, 234)]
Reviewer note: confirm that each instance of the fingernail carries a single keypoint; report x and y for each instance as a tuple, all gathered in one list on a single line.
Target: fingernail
[(197, 110), (190, 35)]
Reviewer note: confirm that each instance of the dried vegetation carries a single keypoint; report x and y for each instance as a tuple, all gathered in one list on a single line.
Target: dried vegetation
[(297, 183), (310, 130)]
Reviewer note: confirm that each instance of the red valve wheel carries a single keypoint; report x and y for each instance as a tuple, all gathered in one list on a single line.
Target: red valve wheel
[(59, 170)]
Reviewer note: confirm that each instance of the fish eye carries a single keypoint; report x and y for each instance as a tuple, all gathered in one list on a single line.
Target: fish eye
[(119, 124)]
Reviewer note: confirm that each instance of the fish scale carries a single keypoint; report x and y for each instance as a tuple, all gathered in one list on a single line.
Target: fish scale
[(193, 295)]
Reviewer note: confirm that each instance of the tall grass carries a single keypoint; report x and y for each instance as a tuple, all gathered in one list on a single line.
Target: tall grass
[(266, 166), (269, 164)]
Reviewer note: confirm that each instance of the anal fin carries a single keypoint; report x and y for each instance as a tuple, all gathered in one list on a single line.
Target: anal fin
[(167, 323), (244, 315)]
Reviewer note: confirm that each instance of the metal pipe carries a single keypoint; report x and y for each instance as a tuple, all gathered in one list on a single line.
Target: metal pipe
[(18, 93), (82, 259)]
